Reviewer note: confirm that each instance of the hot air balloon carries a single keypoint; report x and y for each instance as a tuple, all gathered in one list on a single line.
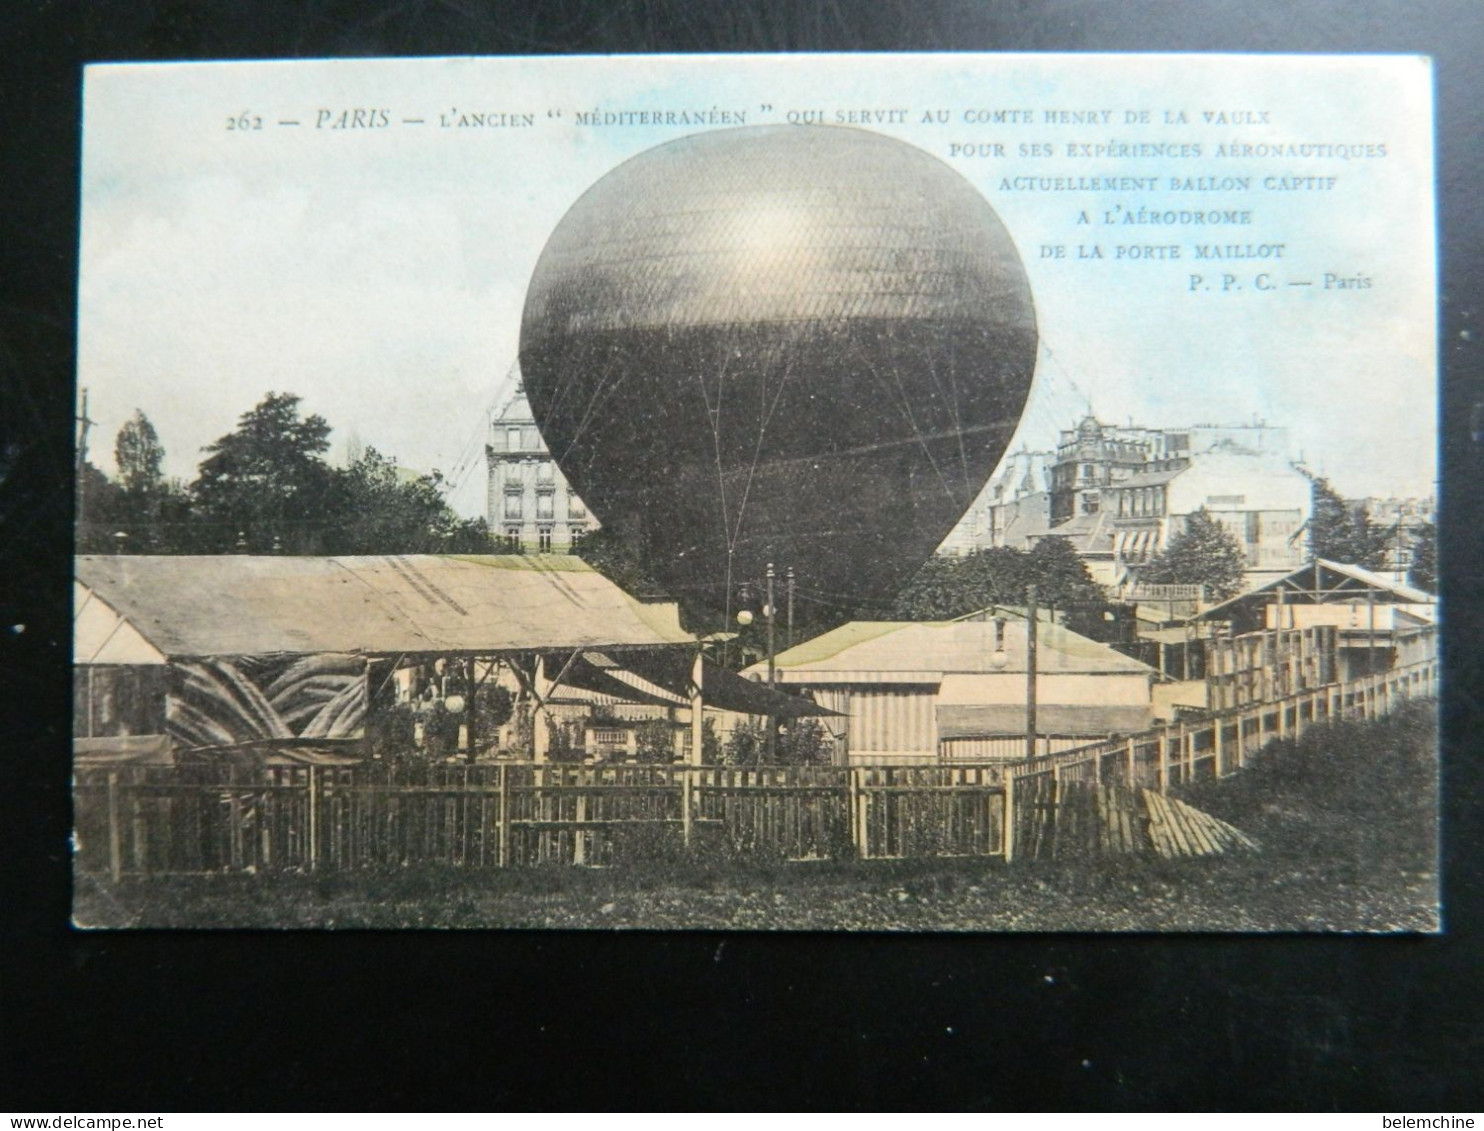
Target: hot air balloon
[(806, 345)]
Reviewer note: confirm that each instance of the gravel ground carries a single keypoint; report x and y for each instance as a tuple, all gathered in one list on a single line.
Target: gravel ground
[(1192, 895)]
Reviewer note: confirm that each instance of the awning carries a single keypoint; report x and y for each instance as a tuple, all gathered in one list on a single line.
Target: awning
[(663, 676)]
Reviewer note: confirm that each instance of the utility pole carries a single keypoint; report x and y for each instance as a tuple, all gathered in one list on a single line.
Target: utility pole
[(1030, 671), (790, 637), (83, 423)]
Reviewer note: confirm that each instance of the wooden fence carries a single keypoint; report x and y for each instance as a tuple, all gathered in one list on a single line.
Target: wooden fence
[(153, 820), (176, 820), (1222, 742)]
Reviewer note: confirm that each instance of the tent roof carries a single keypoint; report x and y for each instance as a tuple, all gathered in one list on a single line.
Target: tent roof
[(911, 652), (476, 604)]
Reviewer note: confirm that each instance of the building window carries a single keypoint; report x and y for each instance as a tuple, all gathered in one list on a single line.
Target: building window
[(512, 439), (512, 538), (544, 506), (575, 506), (513, 506), (543, 539), (576, 531), (545, 472), (513, 477)]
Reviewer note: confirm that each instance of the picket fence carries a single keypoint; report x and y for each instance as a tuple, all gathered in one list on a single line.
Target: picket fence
[(181, 820)]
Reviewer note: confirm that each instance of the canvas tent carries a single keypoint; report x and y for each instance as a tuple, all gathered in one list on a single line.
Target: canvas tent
[(221, 652)]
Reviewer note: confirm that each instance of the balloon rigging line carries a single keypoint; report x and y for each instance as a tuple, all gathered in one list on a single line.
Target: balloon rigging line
[(929, 361), (601, 392), (714, 416), (906, 409), (758, 448)]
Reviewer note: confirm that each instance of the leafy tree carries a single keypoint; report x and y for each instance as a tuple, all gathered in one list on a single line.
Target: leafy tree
[(376, 507), (267, 479), (1424, 570), (1342, 533), (654, 741), (805, 742), (98, 503), (1061, 576), (747, 745), (1204, 553), (153, 513), (139, 456), (616, 559), (947, 587)]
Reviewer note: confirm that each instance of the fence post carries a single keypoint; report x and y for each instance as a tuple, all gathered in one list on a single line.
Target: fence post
[(1164, 759), (115, 847), (858, 824), (313, 846), (1218, 724), (579, 830), (1008, 792), (502, 817), (1131, 765), (686, 787)]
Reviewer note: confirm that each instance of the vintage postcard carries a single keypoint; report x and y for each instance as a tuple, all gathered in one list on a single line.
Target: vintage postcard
[(884, 492)]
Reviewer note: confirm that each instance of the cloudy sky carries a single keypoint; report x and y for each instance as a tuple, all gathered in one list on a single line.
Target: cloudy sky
[(378, 270)]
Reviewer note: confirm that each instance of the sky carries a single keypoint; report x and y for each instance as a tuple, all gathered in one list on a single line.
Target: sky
[(373, 258)]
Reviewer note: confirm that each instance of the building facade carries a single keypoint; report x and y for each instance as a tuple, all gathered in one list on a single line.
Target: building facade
[(1120, 493), (531, 506)]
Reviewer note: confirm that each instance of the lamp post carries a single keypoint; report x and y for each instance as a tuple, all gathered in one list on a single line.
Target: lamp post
[(772, 669), (1030, 671)]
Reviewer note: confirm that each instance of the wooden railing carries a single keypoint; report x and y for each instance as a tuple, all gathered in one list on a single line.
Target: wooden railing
[(173, 820), (1221, 743)]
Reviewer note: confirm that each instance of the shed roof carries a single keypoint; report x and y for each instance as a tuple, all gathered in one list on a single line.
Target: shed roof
[(1319, 582), (476, 604), (923, 652)]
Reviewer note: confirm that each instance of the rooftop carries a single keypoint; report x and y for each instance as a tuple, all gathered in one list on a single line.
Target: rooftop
[(247, 605)]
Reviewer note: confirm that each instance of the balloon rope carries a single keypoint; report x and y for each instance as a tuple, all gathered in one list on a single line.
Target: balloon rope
[(906, 407), (762, 430), (592, 404)]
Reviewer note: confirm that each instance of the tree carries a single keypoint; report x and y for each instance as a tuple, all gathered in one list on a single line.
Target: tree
[(1342, 533), (98, 507), (153, 514), (376, 507), (267, 480), (1204, 553), (1424, 570), (947, 587), (1061, 576), (139, 456)]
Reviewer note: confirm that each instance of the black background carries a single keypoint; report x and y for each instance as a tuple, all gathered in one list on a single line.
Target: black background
[(154, 1021)]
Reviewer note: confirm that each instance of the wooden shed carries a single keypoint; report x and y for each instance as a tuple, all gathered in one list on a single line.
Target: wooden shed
[(956, 691)]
